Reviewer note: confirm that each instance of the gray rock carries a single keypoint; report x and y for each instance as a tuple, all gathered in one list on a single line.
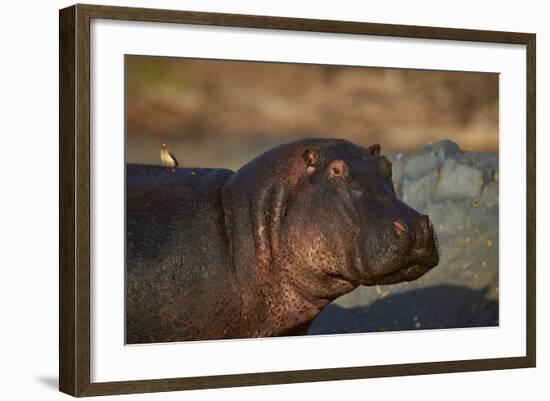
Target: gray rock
[(483, 219), (420, 165), (444, 149), (417, 193), (459, 181), (448, 217), (429, 158), (489, 196), (398, 167)]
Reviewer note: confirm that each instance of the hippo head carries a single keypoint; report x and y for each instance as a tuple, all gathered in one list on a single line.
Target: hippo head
[(356, 227), (326, 213)]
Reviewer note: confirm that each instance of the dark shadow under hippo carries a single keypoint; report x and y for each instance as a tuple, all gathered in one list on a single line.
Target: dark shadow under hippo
[(440, 306), (213, 254)]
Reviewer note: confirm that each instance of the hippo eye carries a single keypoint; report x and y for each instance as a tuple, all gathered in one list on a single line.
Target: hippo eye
[(336, 168)]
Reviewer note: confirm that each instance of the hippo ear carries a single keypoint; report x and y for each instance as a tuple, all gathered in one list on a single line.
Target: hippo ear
[(374, 149), (311, 158)]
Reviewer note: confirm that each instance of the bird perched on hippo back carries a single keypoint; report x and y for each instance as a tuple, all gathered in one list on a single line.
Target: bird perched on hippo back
[(167, 158), (262, 251)]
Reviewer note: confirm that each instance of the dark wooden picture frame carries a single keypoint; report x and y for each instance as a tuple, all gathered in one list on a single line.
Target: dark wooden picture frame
[(74, 203)]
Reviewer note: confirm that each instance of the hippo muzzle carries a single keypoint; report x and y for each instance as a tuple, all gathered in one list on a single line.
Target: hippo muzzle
[(403, 250)]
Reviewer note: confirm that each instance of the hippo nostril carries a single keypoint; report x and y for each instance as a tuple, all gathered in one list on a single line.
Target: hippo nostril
[(399, 227)]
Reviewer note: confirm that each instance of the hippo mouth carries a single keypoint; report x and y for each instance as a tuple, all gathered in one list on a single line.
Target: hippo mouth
[(408, 273), (405, 274)]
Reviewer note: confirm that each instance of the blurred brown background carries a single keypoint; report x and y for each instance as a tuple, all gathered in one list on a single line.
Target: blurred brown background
[(223, 113)]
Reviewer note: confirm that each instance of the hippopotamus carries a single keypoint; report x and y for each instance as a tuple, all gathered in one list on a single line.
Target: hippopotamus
[(217, 254)]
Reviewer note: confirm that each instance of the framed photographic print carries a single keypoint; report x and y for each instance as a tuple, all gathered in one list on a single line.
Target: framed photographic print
[(251, 200)]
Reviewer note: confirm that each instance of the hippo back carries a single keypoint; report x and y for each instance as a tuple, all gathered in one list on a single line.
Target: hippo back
[(176, 249)]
